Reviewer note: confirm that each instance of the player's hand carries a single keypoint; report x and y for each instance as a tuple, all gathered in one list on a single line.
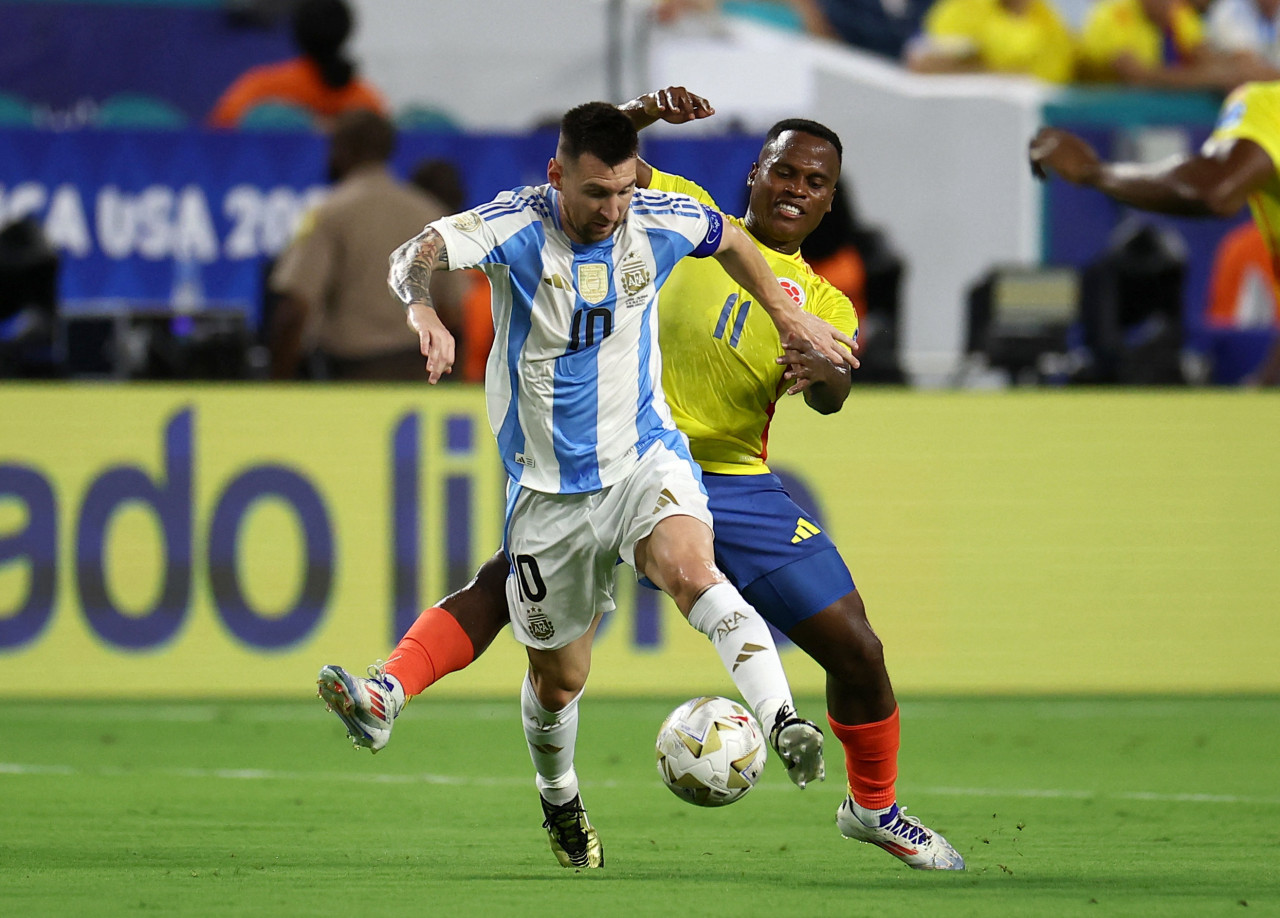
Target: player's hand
[(806, 366), (434, 340), (803, 331), (1055, 150), (675, 105)]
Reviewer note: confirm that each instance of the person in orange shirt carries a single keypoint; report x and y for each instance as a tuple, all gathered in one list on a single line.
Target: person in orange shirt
[(322, 80), (1242, 287)]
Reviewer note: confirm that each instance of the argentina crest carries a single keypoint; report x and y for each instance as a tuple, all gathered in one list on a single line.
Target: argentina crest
[(540, 626), (593, 282), (634, 274)]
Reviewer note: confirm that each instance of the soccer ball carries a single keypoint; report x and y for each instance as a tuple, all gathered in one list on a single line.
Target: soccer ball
[(710, 751)]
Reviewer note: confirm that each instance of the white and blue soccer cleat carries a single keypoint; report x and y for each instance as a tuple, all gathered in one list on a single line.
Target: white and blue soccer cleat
[(902, 836), (798, 743), (366, 707)]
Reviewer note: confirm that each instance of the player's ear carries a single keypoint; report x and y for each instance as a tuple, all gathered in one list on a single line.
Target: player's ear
[(555, 173), (751, 176)]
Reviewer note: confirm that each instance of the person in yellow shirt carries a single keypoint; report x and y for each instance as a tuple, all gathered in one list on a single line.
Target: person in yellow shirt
[(1157, 44), (1237, 165), (723, 372), (995, 36)]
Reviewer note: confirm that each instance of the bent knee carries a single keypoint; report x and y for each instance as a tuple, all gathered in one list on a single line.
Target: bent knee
[(556, 691)]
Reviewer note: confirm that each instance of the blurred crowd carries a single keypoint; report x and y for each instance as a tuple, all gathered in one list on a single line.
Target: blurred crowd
[(326, 312), (1160, 44)]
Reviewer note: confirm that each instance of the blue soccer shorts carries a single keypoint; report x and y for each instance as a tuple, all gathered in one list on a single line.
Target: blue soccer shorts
[(772, 549)]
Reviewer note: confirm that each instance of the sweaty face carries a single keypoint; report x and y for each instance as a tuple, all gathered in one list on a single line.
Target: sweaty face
[(593, 197), (791, 189)]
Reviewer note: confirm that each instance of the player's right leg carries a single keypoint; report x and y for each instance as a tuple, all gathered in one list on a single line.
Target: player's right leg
[(444, 639), (789, 569), (560, 584), (549, 713), (863, 714)]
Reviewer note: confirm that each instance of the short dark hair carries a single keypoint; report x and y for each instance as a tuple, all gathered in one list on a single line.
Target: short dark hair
[(364, 135), (441, 178), (805, 126), (600, 129)]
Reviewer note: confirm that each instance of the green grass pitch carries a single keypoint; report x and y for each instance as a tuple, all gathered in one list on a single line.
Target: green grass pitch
[(1062, 806)]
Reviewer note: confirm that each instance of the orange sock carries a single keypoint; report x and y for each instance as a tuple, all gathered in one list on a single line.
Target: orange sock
[(871, 759), (434, 646)]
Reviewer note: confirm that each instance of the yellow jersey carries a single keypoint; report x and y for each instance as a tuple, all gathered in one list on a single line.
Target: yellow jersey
[(1252, 112), (718, 352), (1116, 27), (1036, 42)]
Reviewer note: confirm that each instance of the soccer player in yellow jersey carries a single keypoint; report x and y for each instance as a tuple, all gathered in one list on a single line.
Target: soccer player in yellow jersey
[(1238, 164), (724, 369)]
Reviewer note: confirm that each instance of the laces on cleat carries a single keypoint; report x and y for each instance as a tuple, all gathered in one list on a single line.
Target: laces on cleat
[(366, 707), (903, 836), (798, 742), (573, 839)]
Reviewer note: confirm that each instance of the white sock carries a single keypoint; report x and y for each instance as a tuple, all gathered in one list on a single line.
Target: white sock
[(552, 736), (746, 649), (868, 817)]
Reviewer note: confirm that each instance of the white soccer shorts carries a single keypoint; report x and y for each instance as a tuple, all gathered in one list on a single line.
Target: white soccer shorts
[(564, 547)]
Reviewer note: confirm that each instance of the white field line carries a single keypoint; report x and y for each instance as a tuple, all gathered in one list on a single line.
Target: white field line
[(18, 769)]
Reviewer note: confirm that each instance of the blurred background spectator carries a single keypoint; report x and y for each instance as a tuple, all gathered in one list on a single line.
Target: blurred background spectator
[(995, 36), (321, 83), (1246, 27), (881, 26), (1159, 44), (332, 279)]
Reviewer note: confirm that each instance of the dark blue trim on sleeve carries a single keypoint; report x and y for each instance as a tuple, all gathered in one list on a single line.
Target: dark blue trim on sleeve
[(715, 232)]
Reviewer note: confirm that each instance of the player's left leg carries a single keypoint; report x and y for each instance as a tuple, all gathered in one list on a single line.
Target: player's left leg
[(667, 539)]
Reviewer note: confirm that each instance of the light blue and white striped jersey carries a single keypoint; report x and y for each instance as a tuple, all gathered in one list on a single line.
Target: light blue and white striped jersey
[(574, 379)]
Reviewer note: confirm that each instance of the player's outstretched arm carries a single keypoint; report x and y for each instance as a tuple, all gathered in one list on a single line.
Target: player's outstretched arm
[(674, 105), (410, 278), (1191, 186), (743, 262)]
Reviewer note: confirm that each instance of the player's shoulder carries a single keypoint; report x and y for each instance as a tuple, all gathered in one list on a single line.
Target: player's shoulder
[(656, 202), (670, 182), (526, 204), (824, 296), (1252, 101)]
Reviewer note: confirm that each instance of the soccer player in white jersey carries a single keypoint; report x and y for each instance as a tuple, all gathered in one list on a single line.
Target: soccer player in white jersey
[(596, 465)]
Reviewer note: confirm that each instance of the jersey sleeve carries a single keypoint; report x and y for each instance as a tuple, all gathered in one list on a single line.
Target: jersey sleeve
[(1252, 112), (834, 307), (470, 237), (665, 181)]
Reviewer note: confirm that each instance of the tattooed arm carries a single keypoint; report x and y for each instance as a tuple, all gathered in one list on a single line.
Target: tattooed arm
[(411, 268)]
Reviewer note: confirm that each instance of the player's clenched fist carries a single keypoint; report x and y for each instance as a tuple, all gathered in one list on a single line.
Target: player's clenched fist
[(1055, 150)]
